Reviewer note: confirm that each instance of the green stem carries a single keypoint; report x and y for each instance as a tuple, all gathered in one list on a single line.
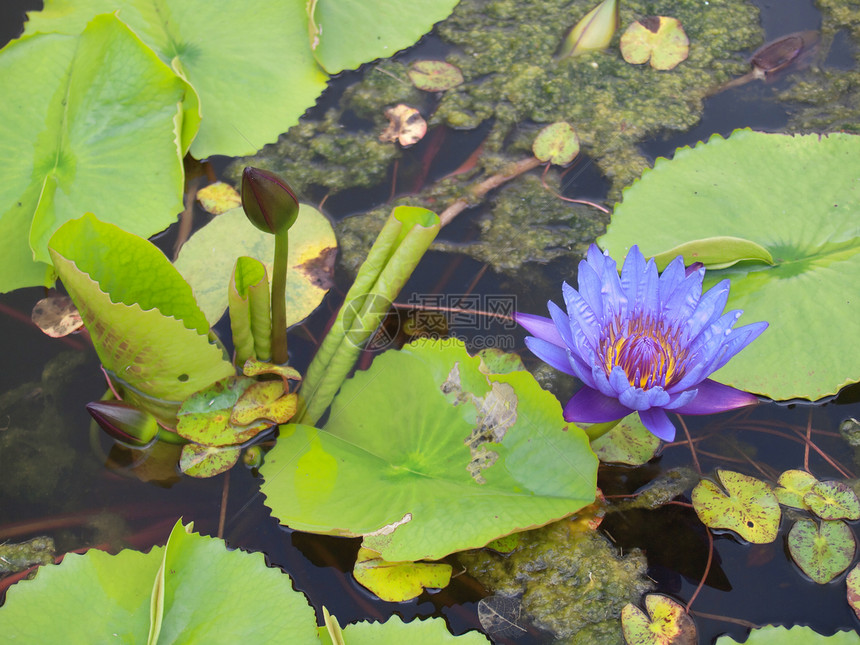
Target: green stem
[(279, 298)]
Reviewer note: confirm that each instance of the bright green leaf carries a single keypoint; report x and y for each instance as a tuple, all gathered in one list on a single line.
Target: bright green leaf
[(629, 443), (833, 500), (792, 486), (797, 635), (666, 623), (434, 75), (715, 252), (748, 507), (796, 197), (248, 62), (822, 551), (556, 143), (85, 118), (207, 260), (657, 38), (432, 631), (141, 315), (347, 33), (526, 466), (398, 581)]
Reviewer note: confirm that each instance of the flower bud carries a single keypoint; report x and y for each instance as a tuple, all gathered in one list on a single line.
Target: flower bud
[(128, 425), (268, 200)]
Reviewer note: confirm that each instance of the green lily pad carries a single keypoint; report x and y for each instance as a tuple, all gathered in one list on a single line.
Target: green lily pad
[(398, 581), (833, 500), (792, 486), (852, 582), (141, 315), (434, 75), (442, 444), (748, 507), (657, 38), (68, 149), (207, 260), (822, 551), (347, 33), (667, 622), (797, 635), (98, 598), (808, 225), (248, 62), (629, 443), (432, 631), (201, 461), (556, 143)]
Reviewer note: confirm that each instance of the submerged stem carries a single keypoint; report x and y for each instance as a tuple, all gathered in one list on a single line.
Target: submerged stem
[(279, 294)]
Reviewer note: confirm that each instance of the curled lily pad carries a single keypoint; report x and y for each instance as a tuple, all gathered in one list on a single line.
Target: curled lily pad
[(833, 500), (822, 551), (205, 417), (557, 144), (593, 32), (792, 486), (666, 623), (717, 252), (398, 581), (748, 507), (434, 75), (265, 400), (658, 38)]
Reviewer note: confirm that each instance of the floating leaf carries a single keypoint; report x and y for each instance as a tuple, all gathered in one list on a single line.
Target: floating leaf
[(218, 198), (658, 38), (497, 361), (715, 252), (207, 461), (505, 544), (822, 551), (405, 125), (398, 581), (557, 144), (797, 635), (593, 32), (749, 507), (500, 616), (792, 486), (852, 581), (536, 467), (629, 443), (141, 314), (666, 623), (257, 368), (207, 260), (68, 150), (432, 631), (99, 598), (434, 75), (815, 248), (265, 400), (205, 416), (57, 316), (833, 501)]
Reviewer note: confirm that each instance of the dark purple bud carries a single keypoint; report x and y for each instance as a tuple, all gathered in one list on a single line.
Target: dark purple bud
[(128, 425), (268, 200)]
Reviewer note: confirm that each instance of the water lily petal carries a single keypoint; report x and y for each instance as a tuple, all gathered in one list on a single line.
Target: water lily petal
[(539, 327), (589, 288), (581, 316), (678, 400), (709, 309), (657, 423), (561, 322), (551, 354), (584, 371), (590, 406), (681, 301), (601, 381), (670, 279), (633, 274), (713, 397), (737, 340), (634, 398), (618, 380)]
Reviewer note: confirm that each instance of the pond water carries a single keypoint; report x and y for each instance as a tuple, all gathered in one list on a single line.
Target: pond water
[(59, 476)]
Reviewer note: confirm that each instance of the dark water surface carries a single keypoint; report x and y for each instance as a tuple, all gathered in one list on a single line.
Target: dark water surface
[(89, 504)]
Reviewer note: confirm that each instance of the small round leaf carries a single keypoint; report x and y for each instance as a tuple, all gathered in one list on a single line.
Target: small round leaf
[(793, 485), (669, 623), (658, 38), (833, 501), (556, 143), (823, 551), (434, 75)]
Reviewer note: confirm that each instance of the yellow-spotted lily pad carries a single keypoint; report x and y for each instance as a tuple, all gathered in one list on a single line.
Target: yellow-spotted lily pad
[(792, 486), (207, 461), (833, 501), (852, 581), (748, 507), (666, 623), (657, 38), (822, 551), (398, 581)]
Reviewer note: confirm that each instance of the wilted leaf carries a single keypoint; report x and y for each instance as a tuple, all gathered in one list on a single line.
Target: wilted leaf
[(822, 551), (750, 508), (434, 75), (205, 416), (398, 581), (833, 500), (207, 461), (593, 32), (405, 125), (256, 368), (792, 486), (218, 198), (500, 616), (669, 623), (57, 316), (557, 144), (659, 38), (265, 401)]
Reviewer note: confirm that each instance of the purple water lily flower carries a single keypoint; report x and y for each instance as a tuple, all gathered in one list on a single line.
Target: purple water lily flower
[(642, 342)]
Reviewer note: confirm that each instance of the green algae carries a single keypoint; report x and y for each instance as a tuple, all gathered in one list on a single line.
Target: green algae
[(23, 555), (560, 561), (513, 87)]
